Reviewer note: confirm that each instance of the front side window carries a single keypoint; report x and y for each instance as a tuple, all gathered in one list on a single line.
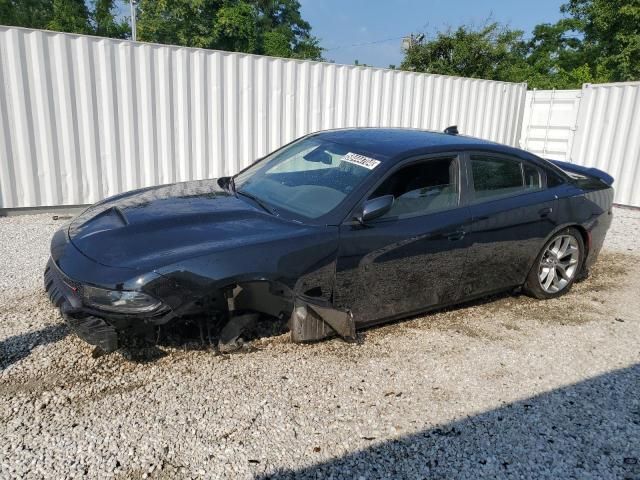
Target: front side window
[(495, 177), (421, 188), (309, 178)]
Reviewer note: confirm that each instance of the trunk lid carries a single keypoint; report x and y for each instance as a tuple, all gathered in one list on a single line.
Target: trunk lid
[(579, 172)]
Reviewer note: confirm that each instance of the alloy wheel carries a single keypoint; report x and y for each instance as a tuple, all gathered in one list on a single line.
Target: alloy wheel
[(559, 263)]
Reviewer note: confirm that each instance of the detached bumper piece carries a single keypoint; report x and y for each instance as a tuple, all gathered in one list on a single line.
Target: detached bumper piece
[(310, 322), (94, 330), (66, 294)]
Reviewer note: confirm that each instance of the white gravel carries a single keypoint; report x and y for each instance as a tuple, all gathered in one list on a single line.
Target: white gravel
[(512, 387)]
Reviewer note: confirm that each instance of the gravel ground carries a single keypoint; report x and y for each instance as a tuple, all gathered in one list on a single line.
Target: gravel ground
[(508, 387)]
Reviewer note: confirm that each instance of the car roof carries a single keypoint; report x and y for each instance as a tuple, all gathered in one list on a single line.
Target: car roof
[(387, 143)]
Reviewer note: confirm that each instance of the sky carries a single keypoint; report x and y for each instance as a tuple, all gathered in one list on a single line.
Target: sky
[(348, 28)]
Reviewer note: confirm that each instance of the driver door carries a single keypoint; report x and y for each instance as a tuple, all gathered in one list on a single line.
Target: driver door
[(412, 258)]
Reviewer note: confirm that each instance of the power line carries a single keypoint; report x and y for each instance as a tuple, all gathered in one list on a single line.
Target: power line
[(364, 44)]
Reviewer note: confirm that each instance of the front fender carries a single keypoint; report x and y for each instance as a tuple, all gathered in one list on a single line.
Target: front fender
[(303, 266)]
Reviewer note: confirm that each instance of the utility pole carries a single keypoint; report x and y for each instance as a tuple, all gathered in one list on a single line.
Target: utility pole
[(411, 41), (133, 19)]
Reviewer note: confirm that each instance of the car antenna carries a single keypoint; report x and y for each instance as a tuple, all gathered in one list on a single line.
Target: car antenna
[(452, 130)]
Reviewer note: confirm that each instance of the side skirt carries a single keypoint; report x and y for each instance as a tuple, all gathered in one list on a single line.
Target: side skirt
[(407, 315)]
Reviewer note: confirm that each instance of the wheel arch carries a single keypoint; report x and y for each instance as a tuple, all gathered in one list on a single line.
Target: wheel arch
[(258, 294), (586, 239)]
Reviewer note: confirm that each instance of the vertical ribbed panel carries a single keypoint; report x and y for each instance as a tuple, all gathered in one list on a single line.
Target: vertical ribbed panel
[(608, 136), (597, 126), (549, 121), (82, 118)]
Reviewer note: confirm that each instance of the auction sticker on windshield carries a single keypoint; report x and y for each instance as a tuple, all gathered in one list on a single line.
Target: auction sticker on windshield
[(361, 160)]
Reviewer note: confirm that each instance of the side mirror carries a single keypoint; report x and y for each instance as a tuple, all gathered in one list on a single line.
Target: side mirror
[(376, 207)]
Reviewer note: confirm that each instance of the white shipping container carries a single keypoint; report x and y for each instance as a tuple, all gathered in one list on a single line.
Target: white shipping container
[(608, 136), (549, 121), (598, 126), (83, 118)]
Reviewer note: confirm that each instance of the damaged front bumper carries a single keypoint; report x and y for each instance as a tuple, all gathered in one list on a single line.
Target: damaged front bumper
[(101, 329), (66, 295)]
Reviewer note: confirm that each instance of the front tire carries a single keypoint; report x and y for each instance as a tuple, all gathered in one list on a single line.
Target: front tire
[(557, 266)]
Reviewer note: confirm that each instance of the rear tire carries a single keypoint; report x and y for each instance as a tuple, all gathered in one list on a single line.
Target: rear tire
[(557, 266)]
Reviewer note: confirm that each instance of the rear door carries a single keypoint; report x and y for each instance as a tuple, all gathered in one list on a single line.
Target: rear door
[(413, 257), (512, 213)]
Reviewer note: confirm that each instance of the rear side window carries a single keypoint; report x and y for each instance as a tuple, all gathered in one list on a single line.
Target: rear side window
[(532, 177), (495, 177), (553, 180), (421, 188)]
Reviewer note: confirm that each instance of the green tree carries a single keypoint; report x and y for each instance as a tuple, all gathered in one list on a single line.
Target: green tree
[(26, 13), (558, 59), (277, 43), (189, 23), (70, 16), (273, 27), (104, 23), (235, 28), (7, 12), (492, 52), (597, 41), (611, 36), (283, 31), (269, 27)]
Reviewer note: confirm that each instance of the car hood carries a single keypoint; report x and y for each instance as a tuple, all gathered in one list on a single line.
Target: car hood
[(146, 229)]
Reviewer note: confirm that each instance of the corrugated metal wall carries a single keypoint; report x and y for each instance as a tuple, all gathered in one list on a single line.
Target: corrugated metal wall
[(608, 136), (598, 126), (82, 118), (549, 121)]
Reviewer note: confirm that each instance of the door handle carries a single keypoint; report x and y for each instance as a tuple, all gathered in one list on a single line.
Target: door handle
[(545, 212), (457, 235)]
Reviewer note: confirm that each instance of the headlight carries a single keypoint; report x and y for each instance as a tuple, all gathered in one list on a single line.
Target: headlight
[(122, 301)]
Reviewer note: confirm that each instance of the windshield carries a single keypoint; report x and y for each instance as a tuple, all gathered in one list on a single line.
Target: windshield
[(309, 178)]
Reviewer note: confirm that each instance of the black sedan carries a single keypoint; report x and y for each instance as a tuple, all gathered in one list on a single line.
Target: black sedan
[(335, 231)]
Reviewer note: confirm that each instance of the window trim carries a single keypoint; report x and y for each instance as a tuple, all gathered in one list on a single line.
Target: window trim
[(456, 156), (471, 198)]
